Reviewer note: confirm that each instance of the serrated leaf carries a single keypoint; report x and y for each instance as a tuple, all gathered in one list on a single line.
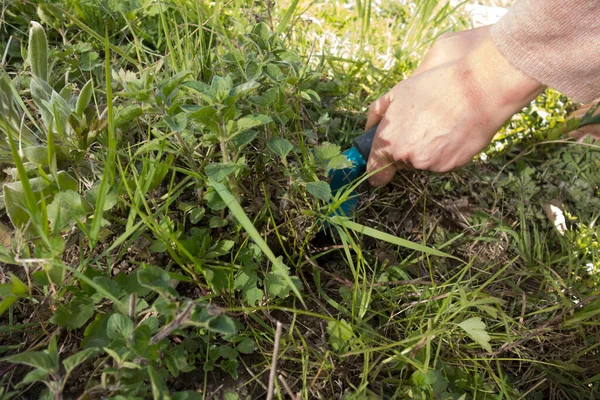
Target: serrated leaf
[(89, 61), (475, 329), (321, 190), (339, 335), (276, 285), (280, 146), (35, 359), (74, 314), (327, 151), (218, 171), (339, 162), (76, 359), (247, 281)]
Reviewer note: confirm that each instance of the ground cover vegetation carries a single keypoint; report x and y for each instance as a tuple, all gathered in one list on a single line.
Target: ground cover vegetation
[(164, 170)]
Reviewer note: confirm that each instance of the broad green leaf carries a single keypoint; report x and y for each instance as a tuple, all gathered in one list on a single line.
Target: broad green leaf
[(177, 360), (158, 246), (214, 201), (231, 396), (66, 209), (227, 352), (280, 146), (247, 281), (176, 123), (475, 328), (242, 139), (245, 88), (432, 379), (127, 114), (218, 278), (74, 314), (34, 376), (95, 335), (89, 61), (76, 359), (253, 70), (154, 278), (36, 154), (339, 162), (223, 324), (119, 326), (274, 72), (246, 346), (320, 190), (221, 248), (6, 302), (327, 151), (276, 285), (252, 295), (218, 172), (17, 287), (204, 115), (35, 359), (340, 335), (246, 123), (230, 366)]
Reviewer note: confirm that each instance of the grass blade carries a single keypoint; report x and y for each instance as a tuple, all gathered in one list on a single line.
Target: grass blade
[(376, 234)]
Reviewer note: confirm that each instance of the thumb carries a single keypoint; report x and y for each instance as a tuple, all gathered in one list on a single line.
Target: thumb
[(377, 109), (380, 161)]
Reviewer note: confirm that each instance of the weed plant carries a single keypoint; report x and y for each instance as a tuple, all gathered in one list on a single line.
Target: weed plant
[(165, 197)]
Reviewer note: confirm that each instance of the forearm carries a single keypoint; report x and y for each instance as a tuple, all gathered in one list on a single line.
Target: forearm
[(557, 42)]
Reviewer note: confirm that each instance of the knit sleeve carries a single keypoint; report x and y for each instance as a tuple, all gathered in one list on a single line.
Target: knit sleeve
[(556, 42)]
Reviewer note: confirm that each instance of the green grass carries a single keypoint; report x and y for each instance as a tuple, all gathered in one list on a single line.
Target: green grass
[(164, 194)]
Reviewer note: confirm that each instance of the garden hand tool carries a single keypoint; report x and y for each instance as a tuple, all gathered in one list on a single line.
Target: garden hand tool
[(358, 155)]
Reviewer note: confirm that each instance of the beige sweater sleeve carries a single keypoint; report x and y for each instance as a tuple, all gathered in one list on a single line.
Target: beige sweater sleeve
[(556, 42)]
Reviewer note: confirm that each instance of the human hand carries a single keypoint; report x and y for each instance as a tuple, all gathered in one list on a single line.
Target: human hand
[(449, 110)]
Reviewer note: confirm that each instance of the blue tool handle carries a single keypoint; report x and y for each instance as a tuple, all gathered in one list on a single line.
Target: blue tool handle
[(364, 142)]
